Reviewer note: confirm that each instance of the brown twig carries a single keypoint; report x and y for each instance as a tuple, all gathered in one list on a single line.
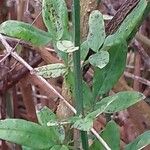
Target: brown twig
[(137, 71), (27, 7), (16, 77), (123, 11), (132, 67), (143, 53), (3, 106), (20, 9), (28, 99), (15, 102), (15, 41), (143, 39), (147, 92), (4, 58), (140, 79), (109, 6), (47, 56)]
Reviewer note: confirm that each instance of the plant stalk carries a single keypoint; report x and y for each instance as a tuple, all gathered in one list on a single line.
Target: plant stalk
[(77, 69)]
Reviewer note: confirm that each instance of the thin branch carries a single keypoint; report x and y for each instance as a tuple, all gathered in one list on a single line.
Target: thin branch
[(142, 80), (15, 40), (5, 43), (28, 99), (142, 52), (27, 7), (100, 139), (109, 6), (4, 58), (19, 74), (18, 58), (36, 95), (132, 67), (143, 39), (137, 71)]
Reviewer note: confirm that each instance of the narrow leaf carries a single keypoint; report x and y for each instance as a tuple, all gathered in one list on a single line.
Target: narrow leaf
[(126, 99), (87, 96), (140, 142), (96, 33), (105, 78), (84, 124), (25, 32), (55, 18), (100, 59), (26, 133), (84, 49), (99, 110), (111, 104), (69, 120), (51, 70)]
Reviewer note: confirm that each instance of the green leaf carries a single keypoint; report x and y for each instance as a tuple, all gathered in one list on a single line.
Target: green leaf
[(62, 55), (55, 17), (26, 133), (51, 70), (96, 35), (84, 124), (121, 100), (140, 142), (105, 78), (111, 136), (27, 148), (66, 46), (44, 116), (87, 94), (132, 22), (84, 49), (59, 147), (100, 59), (70, 120), (111, 104), (25, 32), (99, 110)]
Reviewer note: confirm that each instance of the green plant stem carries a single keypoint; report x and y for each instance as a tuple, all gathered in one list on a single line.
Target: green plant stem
[(77, 69)]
